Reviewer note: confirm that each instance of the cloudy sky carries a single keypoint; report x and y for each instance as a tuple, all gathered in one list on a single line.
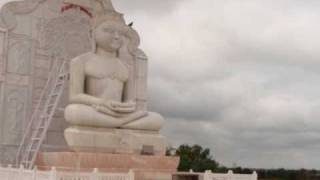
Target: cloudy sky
[(238, 76)]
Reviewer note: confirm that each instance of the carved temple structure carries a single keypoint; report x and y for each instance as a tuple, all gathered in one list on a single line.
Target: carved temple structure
[(32, 34)]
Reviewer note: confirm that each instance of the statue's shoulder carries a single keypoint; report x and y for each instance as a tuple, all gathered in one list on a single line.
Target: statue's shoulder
[(82, 59)]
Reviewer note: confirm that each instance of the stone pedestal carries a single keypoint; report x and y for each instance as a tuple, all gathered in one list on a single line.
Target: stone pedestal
[(145, 167), (117, 141)]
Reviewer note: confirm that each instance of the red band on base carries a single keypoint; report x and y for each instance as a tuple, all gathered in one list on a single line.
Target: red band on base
[(72, 6)]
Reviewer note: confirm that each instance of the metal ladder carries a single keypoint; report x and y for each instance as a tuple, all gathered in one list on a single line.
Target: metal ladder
[(42, 115)]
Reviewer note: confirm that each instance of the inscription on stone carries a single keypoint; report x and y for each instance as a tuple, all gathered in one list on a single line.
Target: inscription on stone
[(1, 108), (3, 41), (14, 113), (20, 53)]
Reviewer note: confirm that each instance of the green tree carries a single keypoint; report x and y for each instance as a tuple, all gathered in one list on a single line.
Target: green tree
[(196, 158)]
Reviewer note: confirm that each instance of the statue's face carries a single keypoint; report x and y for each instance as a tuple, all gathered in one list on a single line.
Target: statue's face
[(109, 36)]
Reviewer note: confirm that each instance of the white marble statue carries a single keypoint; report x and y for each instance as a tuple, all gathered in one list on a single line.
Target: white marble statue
[(98, 83), (107, 90)]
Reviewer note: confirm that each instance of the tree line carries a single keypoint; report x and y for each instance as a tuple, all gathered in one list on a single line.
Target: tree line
[(199, 159)]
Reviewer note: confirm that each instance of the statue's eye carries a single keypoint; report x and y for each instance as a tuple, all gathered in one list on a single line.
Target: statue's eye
[(108, 30), (122, 33)]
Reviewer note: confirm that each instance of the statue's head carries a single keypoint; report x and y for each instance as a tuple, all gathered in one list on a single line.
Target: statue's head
[(110, 31)]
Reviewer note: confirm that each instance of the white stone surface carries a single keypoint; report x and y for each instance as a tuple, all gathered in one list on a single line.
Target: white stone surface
[(15, 114), (27, 174), (32, 34), (88, 139), (100, 88), (208, 175), (54, 174)]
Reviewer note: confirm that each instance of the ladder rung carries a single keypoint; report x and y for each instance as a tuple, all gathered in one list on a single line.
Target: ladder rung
[(62, 76), (51, 105), (53, 98), (61, 109), (44, 114), (44, 117), (32, 150), (59, 83), (25, 162), (55, 94), (41, 127)]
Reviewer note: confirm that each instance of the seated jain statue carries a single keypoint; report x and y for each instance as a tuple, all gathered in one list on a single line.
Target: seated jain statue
[(102, 100)]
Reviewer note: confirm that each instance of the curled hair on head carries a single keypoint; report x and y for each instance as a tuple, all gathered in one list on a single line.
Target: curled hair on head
[(109, 16), (115, 18)]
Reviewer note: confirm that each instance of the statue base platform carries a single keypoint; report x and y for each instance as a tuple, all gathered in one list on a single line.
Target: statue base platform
[(144, 167), (116, 141)]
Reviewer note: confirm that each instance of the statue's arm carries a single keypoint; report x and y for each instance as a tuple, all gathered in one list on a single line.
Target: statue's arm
[(127, 105), (77, 85), (125, 96)]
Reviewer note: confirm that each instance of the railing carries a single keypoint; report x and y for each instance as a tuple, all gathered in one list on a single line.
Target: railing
[(208, 175), (9, 173)]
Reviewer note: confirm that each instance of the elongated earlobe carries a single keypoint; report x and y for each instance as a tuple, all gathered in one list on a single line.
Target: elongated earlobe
[(93, 41)]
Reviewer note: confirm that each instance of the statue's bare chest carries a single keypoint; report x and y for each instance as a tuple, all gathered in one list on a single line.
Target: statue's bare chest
[(106, 69)]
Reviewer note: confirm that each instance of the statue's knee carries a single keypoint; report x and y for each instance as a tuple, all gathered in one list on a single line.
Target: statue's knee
[(156, 117), (71, 112), (155, 122)]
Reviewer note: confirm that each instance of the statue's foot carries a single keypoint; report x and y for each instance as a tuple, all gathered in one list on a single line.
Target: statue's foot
[(152, 122), (122, 141), (83, 115)]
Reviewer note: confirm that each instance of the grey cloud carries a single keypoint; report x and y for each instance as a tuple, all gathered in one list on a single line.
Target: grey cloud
[(153, 8), (241, 77), (256, 149)]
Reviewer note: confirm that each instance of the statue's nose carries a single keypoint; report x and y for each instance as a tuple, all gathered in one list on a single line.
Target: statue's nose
[(116, 35)]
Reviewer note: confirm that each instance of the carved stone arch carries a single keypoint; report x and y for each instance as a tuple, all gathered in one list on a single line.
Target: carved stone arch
[(53, 33), (137, 63), (14, 113), (20, 54), (11, 9), (66, 36)]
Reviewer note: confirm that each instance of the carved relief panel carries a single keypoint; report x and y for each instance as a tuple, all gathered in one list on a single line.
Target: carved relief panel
[(3, 54), (141, 79), (14, 114), (19, 56), (1, 111), (47, 32), (66, 36), (8, 154), (63, 37)]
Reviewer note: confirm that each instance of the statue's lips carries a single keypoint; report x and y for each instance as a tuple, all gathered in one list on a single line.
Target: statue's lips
[(74, 6), (116, 44)]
